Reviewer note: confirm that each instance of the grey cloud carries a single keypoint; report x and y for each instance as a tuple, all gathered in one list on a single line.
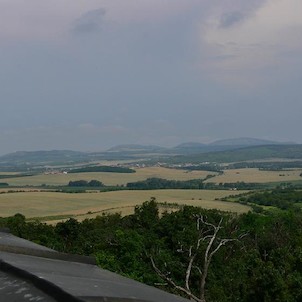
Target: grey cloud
[(152, 84), (89, 22), (230, 19)]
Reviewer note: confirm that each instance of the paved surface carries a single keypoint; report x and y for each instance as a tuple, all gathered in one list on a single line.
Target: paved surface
[(83, 281), (13, 289)]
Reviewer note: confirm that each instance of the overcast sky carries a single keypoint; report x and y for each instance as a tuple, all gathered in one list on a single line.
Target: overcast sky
[(90, 74)]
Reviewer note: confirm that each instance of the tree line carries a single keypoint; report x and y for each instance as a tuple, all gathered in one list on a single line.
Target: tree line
[(268, 165), (280, 198), (84, 183), (155, 183)]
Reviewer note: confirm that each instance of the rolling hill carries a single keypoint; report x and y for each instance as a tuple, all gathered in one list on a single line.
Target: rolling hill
[(232, 150), (243, 154)]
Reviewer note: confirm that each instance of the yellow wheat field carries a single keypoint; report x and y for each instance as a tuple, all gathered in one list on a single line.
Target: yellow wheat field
[(255, 175), (106, 177), (41, 204)]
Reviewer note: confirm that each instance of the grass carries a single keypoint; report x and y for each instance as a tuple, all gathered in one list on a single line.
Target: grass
[(106, 177), (255, 175), (42, 204)]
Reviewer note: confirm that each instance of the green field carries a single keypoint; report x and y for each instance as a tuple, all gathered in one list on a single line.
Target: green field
[(106, 178), (41, 204)]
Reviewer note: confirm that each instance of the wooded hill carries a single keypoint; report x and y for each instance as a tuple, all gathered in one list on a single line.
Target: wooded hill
[(185, 153), (243, 154)]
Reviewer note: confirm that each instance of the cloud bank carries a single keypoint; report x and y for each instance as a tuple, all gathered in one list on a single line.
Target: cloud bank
[(160, 72)]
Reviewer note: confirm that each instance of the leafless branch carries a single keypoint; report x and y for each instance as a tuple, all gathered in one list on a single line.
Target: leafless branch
[(172, 283), (206, 232)]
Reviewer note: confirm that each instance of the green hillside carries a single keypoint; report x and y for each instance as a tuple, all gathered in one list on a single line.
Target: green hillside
[(243, 154)]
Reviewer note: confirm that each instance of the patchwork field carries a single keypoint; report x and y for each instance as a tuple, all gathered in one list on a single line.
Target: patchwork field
[(36, 203), (255, 175), (106, 177), (41, 204)]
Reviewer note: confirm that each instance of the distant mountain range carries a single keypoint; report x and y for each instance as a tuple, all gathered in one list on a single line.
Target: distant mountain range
[(219, 151), (195, 147), (250, 153), (134, 148), (245, 141), (23, 160)]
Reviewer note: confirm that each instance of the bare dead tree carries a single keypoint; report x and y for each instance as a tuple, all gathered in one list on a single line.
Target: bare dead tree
[(207, 232)]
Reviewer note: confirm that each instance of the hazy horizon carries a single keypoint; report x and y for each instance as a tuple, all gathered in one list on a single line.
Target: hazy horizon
[(147, 145), (89, 75)]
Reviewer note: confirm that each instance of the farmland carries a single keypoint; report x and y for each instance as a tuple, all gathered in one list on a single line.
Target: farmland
[(34, 201), (248, 175), (255, 175), (106, 177), (41, 204)]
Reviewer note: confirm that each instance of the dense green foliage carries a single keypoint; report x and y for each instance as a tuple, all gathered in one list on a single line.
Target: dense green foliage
[(280, 198), (3, 184), (240, 185), (160, 183), (264, 263), (155, 183), (102, 169), (204, 167), (83, 183), (268, 165)]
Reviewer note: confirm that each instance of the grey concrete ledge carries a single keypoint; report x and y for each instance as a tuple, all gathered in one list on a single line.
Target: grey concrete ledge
[(47, 287), (47, 254)]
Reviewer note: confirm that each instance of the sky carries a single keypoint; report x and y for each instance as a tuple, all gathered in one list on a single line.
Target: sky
[(90, 74)]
